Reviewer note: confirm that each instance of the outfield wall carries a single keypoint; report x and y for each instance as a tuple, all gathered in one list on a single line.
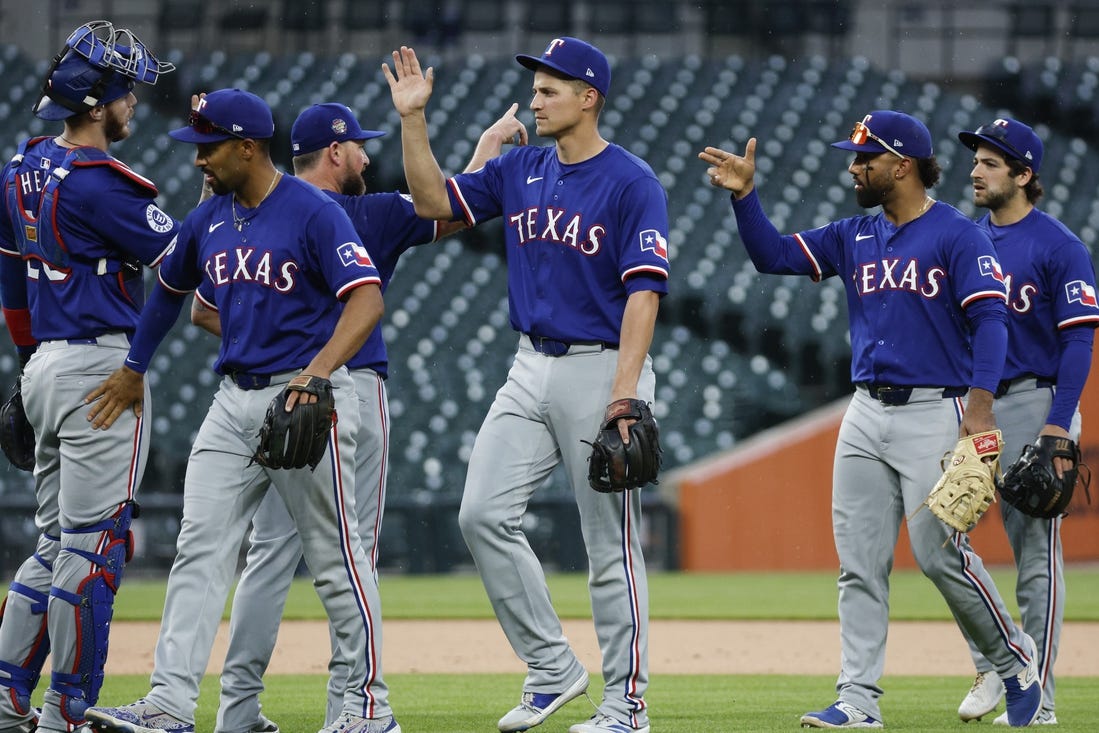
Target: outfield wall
[(766, 504)]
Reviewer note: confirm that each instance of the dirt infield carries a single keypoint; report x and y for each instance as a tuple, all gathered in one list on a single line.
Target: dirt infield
[(676, 647)]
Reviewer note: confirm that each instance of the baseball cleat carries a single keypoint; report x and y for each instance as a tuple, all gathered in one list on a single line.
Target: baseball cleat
[(600, 723), (264, 725), (839, 715), (1045, 717), (983, 697), (534, 707), (137, 717), (1024, 691), (348, 723)]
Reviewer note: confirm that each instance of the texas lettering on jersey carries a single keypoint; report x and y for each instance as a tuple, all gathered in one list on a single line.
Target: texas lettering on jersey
[(897, 274), (243, 264), (551, 224)]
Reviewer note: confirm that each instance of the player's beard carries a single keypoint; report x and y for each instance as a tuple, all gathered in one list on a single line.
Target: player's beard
[(353, 184), (870, 195), (116, 126), (993, 199)]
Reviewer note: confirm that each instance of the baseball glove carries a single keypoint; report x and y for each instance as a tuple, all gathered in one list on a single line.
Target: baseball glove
[(617, 466), (298, 438), (16, 433), (968, 484), (1031, 484)]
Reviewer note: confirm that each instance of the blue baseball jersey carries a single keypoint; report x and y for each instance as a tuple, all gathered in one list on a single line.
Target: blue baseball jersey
[(388, 226), (1051, 285), (277, 282), (78, 238), (580, 238), (907, 288)]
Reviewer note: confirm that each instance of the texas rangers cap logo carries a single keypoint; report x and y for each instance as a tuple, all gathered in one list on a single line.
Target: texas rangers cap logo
[(353, 253), (653, 241)]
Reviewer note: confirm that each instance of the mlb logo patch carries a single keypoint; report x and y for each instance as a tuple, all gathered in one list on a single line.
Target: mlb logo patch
[(652, 241), (353, 253), (1080, 292), (990, 267)]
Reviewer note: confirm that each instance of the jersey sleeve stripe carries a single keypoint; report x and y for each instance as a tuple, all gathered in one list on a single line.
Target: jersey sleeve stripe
[(972, 298), (10, 253), (1078, 321), (208, 304), (817, 273), (436, 231), (373, 279), (467, 214), (647, 269), (170, 288), (163, 253)]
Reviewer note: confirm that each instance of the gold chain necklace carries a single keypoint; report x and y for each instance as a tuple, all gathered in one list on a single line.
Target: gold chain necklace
[(238, 221)]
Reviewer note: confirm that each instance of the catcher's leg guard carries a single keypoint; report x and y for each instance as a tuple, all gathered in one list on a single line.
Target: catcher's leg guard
[(94, 603), (25, 641)]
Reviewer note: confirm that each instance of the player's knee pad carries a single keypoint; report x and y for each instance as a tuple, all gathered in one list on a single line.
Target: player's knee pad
[(22, 678), (94, 603)]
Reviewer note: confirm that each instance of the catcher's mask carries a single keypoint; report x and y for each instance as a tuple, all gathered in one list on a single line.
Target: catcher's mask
[(98, 64)]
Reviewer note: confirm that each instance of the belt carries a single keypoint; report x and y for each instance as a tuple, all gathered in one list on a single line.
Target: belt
[(247, 380), (888, 395), (1028, 381), (111, 338), (553, 347)]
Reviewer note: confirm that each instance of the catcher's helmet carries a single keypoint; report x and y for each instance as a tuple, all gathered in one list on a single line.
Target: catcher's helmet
[(98, 64)]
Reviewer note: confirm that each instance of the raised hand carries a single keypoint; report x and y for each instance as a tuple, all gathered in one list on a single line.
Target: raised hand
[(409, 86), (731, 171)]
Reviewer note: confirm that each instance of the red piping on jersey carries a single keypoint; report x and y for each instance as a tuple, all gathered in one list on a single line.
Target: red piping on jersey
[(643, 269), (1078, 320), (817, 272), (371, 280), (966, 302), (466, 213)]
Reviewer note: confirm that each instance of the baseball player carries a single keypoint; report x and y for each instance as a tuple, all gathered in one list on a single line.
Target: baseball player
[(76, 226), (327, 143), (280, 256), (586, 231), (926, 297), (1052, 315)]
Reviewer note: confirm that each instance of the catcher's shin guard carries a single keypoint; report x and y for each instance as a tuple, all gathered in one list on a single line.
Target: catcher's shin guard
[(22, 679), (26, 639), (94, 603)]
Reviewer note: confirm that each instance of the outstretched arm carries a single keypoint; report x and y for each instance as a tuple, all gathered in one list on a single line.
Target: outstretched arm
[(410, 89)]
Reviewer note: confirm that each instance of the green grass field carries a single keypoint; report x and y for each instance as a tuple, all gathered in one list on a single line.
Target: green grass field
[(461, 703)]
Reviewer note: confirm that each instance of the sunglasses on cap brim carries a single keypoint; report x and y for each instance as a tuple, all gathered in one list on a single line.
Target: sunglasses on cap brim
[(861, 133), (203, 126)]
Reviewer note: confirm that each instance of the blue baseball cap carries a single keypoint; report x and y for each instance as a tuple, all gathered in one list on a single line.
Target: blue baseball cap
[(226, 114), (575, 59), (1010, 137), (888, 131), (323, 124)]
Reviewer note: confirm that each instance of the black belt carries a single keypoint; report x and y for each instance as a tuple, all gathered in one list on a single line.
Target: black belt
[(553, 347), (1006, 385), (888, 395), (247, 380)]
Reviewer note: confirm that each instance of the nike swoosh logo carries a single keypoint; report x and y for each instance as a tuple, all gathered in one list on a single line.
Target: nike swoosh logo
[(215, 226), (532, 179), (860, 237)]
